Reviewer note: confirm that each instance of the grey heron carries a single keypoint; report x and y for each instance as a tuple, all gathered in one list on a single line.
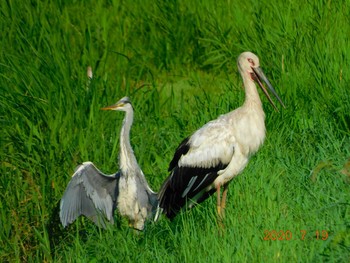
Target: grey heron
[(214, 154), (95, 194)]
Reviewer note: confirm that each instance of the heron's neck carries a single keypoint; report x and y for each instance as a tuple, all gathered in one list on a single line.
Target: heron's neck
[(127, 158)]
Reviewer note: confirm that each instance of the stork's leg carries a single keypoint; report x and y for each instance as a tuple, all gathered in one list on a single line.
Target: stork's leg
[(220, 210), (218, 202), (223, 201)]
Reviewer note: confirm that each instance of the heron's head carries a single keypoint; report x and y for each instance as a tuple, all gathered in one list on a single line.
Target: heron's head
[(249, 67), (123, 104)]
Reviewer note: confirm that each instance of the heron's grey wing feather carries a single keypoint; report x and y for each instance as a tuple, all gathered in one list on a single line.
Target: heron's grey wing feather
[(75, 201), (102, 189), (89, 193)]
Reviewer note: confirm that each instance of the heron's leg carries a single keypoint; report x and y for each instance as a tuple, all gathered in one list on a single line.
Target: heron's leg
[(218, 202), (223, 200)]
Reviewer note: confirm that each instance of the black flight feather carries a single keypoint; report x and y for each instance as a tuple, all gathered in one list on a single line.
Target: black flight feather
[(182, 149), (176, 190)]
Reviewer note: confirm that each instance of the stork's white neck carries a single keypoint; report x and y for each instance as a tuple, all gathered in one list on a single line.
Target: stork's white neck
[(252, 127), (252, 98)]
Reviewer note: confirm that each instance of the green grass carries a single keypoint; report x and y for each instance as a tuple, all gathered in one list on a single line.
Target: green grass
[(177, 62)]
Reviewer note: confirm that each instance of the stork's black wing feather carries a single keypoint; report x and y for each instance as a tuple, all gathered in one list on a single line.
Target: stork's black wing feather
[(195, 166), (182, 149), (186, 184)]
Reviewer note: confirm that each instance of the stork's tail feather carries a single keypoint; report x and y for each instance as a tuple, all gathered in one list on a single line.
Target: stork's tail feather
[(158, 213)]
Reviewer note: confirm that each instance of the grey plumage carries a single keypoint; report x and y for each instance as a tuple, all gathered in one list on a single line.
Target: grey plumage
[(96, 195), (90, 193)]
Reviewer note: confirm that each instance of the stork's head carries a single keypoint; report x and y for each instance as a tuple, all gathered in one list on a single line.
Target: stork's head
[(247, 61), (249, 67), (124, 104)]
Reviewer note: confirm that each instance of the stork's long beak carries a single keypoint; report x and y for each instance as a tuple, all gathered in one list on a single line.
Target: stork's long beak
[(114, 106), (260, 76)]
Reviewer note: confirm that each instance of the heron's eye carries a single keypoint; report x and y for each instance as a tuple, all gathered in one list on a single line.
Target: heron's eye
[(251, 61)]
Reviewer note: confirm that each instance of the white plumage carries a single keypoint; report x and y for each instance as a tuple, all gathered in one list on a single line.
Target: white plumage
[(213, 155)]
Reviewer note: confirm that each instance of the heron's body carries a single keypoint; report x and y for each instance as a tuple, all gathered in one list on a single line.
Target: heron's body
[(213, 155), (136, 200), (90, 192)]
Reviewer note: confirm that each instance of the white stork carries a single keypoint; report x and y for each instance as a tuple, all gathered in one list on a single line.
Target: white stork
[(213, 155)]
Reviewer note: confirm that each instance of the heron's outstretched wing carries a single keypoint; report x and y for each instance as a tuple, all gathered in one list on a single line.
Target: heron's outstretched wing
[(91, 193)]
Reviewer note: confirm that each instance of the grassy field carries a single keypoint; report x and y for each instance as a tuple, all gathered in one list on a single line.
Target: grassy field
[(176, 60)]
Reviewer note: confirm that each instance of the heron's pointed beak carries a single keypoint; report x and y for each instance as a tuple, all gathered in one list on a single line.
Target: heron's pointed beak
[(113, 107), (260, 76)]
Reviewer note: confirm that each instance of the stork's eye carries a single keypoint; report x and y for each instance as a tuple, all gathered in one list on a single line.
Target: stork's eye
[(251, 61)]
